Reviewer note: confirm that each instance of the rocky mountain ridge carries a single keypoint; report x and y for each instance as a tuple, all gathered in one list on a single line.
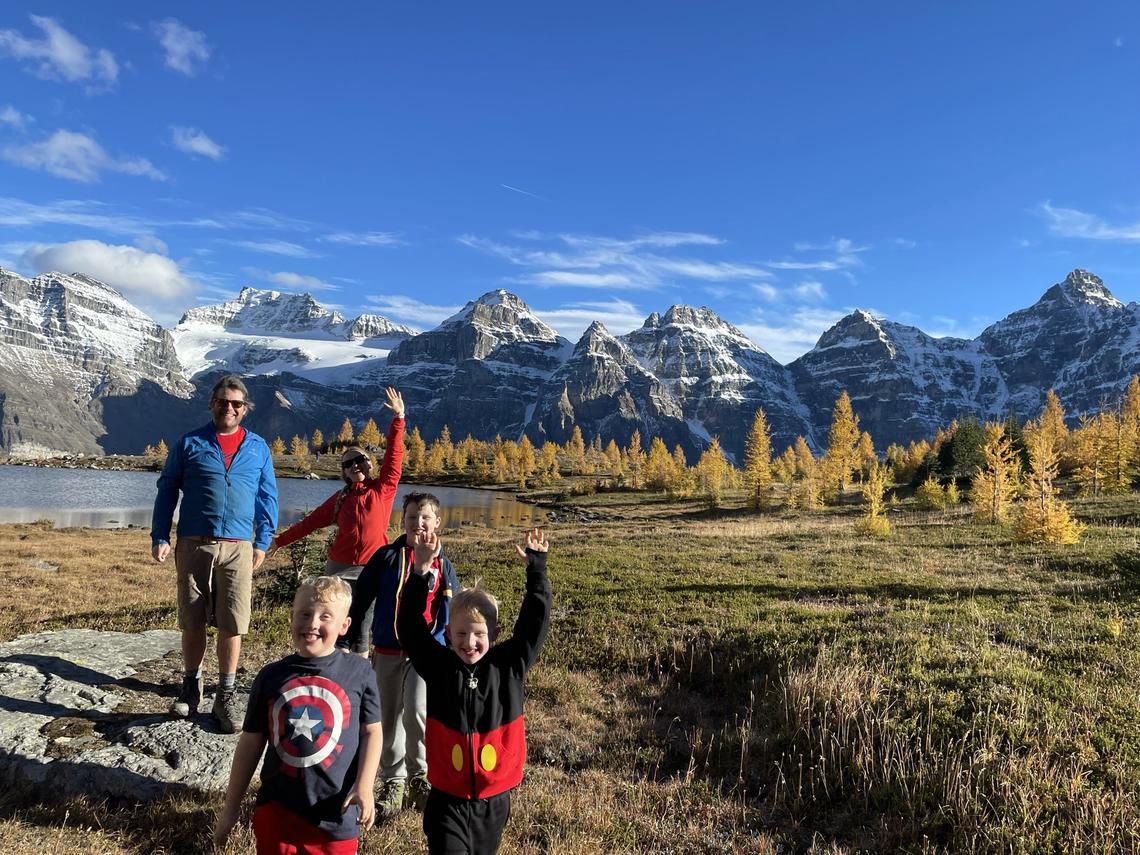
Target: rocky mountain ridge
[(496, 368)]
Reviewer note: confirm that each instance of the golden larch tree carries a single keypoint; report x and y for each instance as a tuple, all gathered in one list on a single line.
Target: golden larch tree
[(995, 485), (842, 443), (414, 451), (875, 485), (277, 447), (345, 436), (369, 435), (317, 442), (1043, 517), (758, 461), (713, 473)]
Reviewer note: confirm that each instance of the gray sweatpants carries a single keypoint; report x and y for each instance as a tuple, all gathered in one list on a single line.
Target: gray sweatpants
[(403, 716)]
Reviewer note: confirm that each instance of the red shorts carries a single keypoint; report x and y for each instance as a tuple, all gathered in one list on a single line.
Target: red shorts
[(279, 831)]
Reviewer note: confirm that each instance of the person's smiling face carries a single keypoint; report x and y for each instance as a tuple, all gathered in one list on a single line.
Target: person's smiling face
[(228, 409)]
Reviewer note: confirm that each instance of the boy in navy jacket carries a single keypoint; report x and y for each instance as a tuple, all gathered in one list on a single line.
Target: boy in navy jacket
[(476, 737)]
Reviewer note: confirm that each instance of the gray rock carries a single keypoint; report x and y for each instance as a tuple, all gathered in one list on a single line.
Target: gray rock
[(74, 724)]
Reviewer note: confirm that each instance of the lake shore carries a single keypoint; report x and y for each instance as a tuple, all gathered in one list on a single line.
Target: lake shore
[(724, 681)]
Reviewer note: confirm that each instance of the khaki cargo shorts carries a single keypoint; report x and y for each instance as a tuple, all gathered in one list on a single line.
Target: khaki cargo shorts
[(215, 583)]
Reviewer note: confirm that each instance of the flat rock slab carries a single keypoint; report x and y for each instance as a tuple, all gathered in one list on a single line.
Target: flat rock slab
[(80, 717)]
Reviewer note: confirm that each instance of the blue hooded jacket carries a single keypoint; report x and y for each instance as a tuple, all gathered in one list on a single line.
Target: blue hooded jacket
[(238, 503)]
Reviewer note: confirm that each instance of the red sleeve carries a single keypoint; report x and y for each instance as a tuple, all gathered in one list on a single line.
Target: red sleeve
[(390, 469), (318, 518)]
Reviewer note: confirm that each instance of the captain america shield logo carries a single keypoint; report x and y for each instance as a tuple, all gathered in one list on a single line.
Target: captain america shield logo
[(306, 722)]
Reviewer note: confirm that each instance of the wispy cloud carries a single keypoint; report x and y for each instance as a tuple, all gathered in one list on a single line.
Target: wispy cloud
[(792, 335), (77, 157), (572, 319), (58, 55), (410, 311), (593, 261), (274, 247), (364, 238), (9, 115), (810, 289), (194, 141), (766, 291), (844, 253), (523, 192), (293, 281), (186, 50), (148, 278), (1071, 223), (150, 243)]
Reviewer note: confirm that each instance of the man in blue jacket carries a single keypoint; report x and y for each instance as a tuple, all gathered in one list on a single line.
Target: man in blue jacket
[(229, 494)]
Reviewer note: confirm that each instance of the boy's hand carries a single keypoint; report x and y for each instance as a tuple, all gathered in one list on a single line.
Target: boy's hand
[(427, 548), (224, 825), (395, 402), (367, 802), (535, 541)]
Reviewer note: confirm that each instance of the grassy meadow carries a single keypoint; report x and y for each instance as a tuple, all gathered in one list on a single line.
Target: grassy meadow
[(726, 681)]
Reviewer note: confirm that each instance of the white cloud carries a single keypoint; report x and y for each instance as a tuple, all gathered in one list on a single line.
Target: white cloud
[(794, 336), (144, 277), (364, 238), (581, 280), (810, 289), (592, 261), (60, 56), (295, 281), (149, 243), (410, 311), (571, 320), (9, 115), (69, 212), (195, 141), (77, 157), (185, 49), (1071, 223), (766, 291), (274, 247), (845, 254)]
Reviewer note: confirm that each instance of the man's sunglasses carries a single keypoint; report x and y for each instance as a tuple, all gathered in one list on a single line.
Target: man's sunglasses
[(359, 460), (237, 405)]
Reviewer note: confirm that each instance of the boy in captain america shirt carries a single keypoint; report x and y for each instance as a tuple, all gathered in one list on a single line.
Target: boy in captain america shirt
[(476, 740), (319, 712)]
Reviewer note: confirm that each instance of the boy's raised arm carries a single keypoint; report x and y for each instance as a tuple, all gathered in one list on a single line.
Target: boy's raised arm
[(533, 622), (415, 637), (247, 755)]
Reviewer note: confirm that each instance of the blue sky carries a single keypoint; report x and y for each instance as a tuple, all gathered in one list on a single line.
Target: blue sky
[(940, 164)]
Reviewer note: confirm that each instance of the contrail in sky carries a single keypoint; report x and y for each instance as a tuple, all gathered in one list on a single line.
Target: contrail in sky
[(524, 192)]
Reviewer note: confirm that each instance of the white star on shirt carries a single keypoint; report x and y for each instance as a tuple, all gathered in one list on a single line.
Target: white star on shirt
[(304, 724)]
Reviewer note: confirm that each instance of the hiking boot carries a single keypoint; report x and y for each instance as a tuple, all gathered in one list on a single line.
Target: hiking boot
[(227, 711), (189, 697), (391, 800), (418, 789)]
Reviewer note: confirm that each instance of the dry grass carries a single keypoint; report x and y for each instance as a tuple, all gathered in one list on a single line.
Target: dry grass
[(718, 681)]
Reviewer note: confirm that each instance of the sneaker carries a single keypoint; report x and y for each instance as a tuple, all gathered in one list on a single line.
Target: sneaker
[(227, 711), (418, 789), (189, 697), (391, 800)]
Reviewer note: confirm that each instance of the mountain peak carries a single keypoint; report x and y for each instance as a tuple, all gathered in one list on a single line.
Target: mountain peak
[(1082, 287)]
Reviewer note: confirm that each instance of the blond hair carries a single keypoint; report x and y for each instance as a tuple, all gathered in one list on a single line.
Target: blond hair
[(476, 604), (327, 589)]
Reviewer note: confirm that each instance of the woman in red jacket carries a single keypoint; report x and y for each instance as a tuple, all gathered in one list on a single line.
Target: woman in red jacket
[(360, 510)]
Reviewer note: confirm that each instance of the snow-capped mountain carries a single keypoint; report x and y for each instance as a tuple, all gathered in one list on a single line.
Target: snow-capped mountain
[(267, 332), (71, 348), (82, 369), (903, 384), (718, 377), (605, 391)]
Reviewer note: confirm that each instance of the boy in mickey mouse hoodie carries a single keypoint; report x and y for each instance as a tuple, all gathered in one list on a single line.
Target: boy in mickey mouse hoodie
[(476, 739)]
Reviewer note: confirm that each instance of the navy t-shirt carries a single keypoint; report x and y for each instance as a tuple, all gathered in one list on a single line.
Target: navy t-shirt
[(312, 711)]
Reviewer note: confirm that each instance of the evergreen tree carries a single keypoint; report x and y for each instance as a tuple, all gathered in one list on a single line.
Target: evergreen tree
[(369, 436), (842, 443), (995, 485), (414, 451), (758, 461), (961, 456), (659, 466), (1044, 518), (712, 473), (346, 433)]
